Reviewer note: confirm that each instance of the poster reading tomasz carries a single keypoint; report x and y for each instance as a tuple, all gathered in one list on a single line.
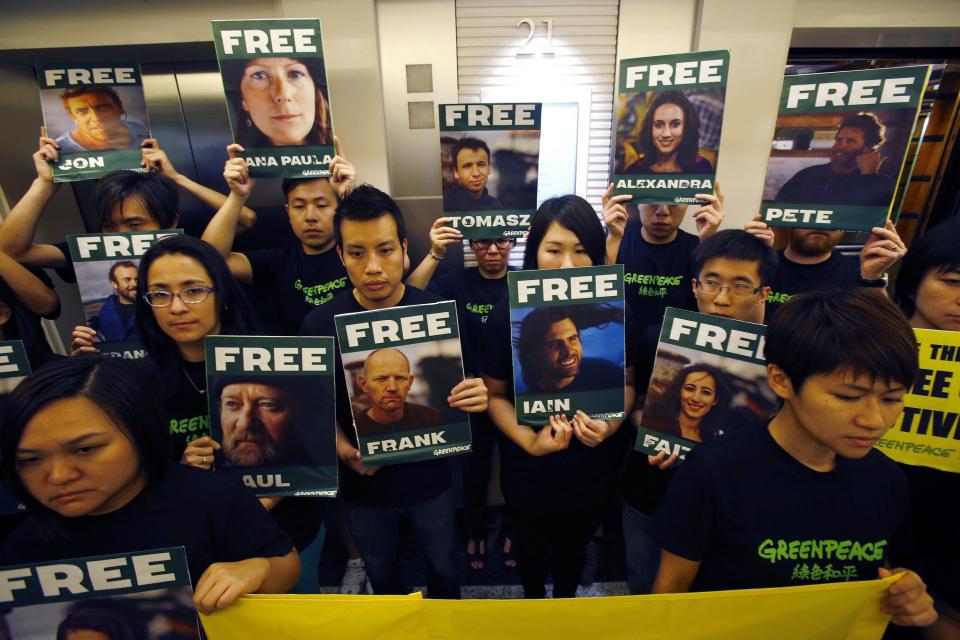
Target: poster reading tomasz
[(97, 115), (144, 595), (567, 334), (669, 116), (107, 267), (275, 82), (709, 380), (400, 365), (840, 146), (272, 411), (489, 161)]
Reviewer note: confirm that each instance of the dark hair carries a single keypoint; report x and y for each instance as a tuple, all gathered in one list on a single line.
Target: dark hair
[(365, 203), (573, 213), (121, 389), (825, 331), (102, 620), (689, 146), (23, 325), (936, 251), (467, 142), (236, 317), (288, 185), (737, 244), (868, 123), (83, 90), (122, 264), (714, 422), (158, 193)]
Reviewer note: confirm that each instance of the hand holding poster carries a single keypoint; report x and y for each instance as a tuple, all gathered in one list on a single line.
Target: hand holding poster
[(276, 87), (709, 379), (840, 147), (97, 115), (400, 365), (928, 431), (567, 328), (668, 123), (144, 595), (272, 411), (489, 154)]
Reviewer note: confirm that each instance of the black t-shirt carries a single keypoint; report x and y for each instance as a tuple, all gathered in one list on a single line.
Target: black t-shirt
[(213, 515), (187, 414), (66, 273), (459, 199), (820, 185), (391, 485), (837, 272), (298, 282), (755, 517), (657, 276), (415, 416)]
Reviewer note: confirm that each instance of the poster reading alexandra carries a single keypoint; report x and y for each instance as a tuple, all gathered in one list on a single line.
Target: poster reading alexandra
[(928, 431), (668, 123), (489, 159), (272, 411), (107, 267), (400, 365), (567, 334), (144, 595), (276, 86), (97, 114), (840, 146), (14, 367), (709, 379)]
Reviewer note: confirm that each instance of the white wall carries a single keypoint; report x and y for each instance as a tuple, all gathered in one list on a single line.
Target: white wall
[(877, 13)]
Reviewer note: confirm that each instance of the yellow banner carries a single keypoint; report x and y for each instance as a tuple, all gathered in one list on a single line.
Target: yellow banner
[(839, 611), (927, 433)]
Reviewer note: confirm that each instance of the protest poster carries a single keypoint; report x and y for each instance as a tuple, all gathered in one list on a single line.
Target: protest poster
[(14, 367), (107, 266), (567, 339), (709, 380), (272, 411), (839, 147), (669, 116), (275, 82), (144, 595), (927, 433), (489, 159), (400, 365), (97, 114)]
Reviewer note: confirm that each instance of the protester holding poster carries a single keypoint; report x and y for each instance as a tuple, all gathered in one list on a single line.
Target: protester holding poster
[(559, 475)]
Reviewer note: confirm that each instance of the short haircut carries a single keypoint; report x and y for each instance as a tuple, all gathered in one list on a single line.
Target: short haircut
[(123, 264), (124, 390), (288, 185), (75, 92), (474, 144), (573, 213), (859, 331), (690, 145), (157, 192), (107, 622), (873, 130), (737, 244), (936, 251), (366, 203)]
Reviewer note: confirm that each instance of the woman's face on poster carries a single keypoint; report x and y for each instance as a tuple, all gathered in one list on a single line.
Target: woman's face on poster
[(281, 98), (667, 131), (698, 394)]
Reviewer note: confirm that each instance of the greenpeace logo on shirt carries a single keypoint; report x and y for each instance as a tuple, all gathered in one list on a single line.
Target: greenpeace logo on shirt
[(482, 310), (831, 552), (652, 285), (775, 297), (194, 427), (319, 294)]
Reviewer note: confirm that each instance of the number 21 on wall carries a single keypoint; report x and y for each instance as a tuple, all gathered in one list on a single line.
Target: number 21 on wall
[(525, 48)]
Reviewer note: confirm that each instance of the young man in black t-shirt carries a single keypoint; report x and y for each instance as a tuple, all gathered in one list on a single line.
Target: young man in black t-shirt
[(808, 499), (370, 236)]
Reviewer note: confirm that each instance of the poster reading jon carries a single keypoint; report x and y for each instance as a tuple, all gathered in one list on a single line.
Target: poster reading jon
[(489, 159), (669, 116), (276, 87), (567, 329), (840, 146), (97, 115), (272, 411), (400, 365)]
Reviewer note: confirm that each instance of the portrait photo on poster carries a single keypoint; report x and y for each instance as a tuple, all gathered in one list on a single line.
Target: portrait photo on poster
[(95, 117), (108, 291), (489, 170)]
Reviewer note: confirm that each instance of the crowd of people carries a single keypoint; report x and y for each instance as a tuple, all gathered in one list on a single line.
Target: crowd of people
[(111, 455)]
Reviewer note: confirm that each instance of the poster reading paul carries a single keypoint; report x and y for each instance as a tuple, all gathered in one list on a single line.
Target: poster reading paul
[(567, 330), (97, 115), (669, 115), (400, 365), (272, 411), (489, 160), (840, 147), (709, 380), (144, 594), (276, 87)]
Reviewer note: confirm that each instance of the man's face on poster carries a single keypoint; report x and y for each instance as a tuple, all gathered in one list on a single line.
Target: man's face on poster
[(561, 354), (386, 379), (472, 170), (814, 242), (254, 418), (125, 284), (848, 145), (96, 115)]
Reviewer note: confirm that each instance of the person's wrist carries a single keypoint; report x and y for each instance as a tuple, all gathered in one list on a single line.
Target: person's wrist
[(438, 254), (880, 282), (46, 183)]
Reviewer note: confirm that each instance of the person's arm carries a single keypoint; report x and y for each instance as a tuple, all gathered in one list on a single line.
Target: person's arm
[(469, 395), (675, 574), (343, 175), (155, 159), (591, 431), (760, 229), (440, 237), (351, 455), (907, 600), (223, 582), (31, 290), (881, 251), (550, 439), (222, 228), (709, 217), (615, 218)]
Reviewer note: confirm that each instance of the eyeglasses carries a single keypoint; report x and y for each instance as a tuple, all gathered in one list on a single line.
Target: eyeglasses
[(738, 290), (484, 245), (190, 295)]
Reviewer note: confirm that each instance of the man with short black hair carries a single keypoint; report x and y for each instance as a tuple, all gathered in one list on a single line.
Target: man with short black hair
[(116, 320), (471, 170)]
